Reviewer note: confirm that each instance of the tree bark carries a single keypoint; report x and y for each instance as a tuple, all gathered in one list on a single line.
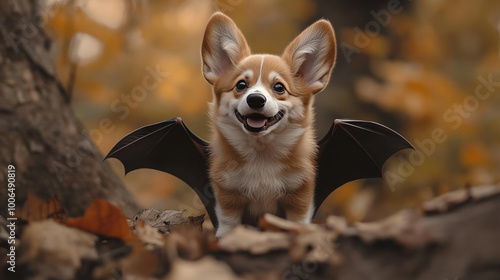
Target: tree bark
[(40, 136)]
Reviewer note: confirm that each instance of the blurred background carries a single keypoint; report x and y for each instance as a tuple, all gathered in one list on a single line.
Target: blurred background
[(426, 68)]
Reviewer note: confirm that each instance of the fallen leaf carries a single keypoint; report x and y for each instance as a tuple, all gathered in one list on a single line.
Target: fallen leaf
[(445, 201), (188, 242), (404, 227), (149, 236), (144, 263), (54, 251), (165, 220), (449, 200), (206, 268), (102, 218), (37, 209), (312, 242), (275, 223), (337, 224), (253, 241), (482, 192), (316, 246)]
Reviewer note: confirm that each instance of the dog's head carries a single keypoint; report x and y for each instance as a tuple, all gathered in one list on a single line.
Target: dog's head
[(265, 94)]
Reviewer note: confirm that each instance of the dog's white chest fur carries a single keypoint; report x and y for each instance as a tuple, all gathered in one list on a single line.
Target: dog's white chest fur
[(263, 177), (263, 180), (264, 174)]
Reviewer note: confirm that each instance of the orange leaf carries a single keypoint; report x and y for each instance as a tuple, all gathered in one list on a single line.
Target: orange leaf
[(37, 209), (104, 219)]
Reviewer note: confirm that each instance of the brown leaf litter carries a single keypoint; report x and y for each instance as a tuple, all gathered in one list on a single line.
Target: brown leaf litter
[(456, 198), (167, 245), (53, 251), (165, 220)]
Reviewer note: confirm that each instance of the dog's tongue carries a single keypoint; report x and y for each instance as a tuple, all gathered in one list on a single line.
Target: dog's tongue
[(256, 123)]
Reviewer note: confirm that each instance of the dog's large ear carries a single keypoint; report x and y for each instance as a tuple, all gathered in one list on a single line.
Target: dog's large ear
[(312, 55), (223, 47)]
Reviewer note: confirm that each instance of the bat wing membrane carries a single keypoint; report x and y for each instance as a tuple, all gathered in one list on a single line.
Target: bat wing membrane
[(352, 150), (169, 146)]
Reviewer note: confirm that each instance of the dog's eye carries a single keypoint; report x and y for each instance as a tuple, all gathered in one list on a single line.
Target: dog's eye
[(279, 88), (241, 85)]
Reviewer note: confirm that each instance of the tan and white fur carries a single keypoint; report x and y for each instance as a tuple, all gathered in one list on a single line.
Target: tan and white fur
[(263, 148)]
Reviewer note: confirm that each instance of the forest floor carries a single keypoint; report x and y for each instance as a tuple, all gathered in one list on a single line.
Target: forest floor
[(453, 236)]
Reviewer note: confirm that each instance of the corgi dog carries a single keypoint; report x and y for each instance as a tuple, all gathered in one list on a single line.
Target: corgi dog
[(262, 146)]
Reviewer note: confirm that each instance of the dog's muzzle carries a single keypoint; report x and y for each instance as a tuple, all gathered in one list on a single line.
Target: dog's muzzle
[(256, 122)]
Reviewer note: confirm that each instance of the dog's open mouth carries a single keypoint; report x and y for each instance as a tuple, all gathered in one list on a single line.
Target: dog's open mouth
[(257, 122)]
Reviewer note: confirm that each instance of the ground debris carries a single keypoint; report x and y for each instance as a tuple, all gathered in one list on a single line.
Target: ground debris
[(167, 245), (453, 199), (404, 227), (104, 219), (38, 209), (254, 241), (50, 250), (206, 268), (149, 235), (165, 220)]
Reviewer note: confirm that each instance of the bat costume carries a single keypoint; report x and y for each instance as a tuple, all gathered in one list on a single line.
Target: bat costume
[(352, 149)]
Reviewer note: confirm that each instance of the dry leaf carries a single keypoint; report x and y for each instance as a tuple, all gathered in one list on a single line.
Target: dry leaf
[(149, 236), (311, 242), (443, 202), (165, 220), (404, 227), (188, 242), (104, 219), (206, 268), (482, 192), (446, 201), (316, 246), (144, 263), (337, 224), (253, 241), (37, 209), (275, 223), (53, 251)]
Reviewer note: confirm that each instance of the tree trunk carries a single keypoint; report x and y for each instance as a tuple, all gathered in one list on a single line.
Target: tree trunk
[(49, 148)]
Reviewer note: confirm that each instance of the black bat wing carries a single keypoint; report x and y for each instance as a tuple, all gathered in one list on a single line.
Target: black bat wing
[(351, 150), (169, 146)]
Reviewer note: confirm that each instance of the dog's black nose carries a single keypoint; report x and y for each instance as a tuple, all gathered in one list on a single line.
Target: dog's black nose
[(256, 100)]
